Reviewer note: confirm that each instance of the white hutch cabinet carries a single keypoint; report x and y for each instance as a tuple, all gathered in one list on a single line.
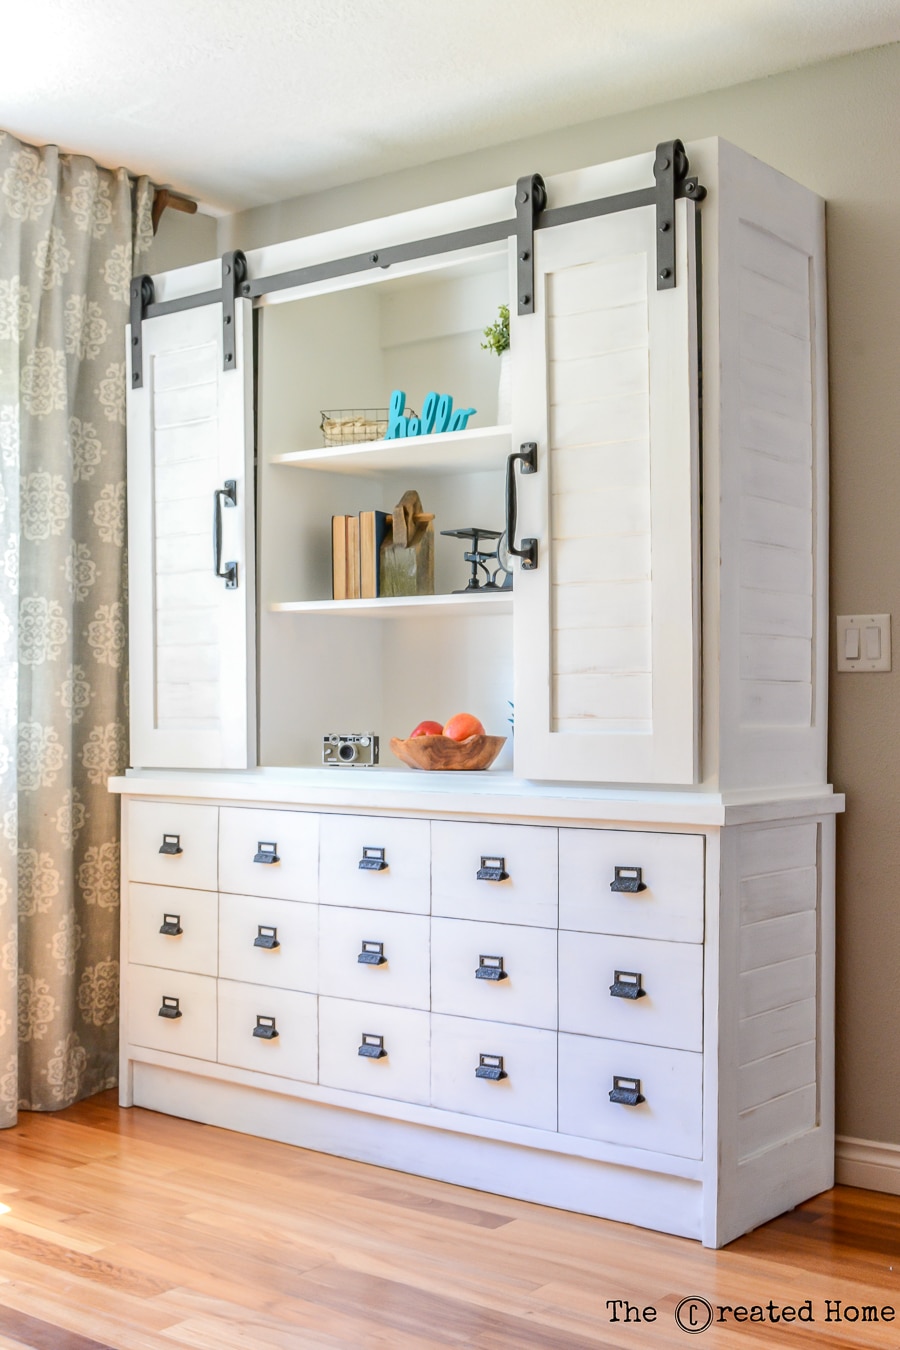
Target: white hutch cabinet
[(600, 974)]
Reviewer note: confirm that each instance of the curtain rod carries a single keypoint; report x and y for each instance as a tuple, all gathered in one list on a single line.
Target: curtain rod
[(163, 198)]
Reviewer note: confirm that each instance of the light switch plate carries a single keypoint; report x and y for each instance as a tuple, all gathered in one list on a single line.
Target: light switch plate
[(864, 642)]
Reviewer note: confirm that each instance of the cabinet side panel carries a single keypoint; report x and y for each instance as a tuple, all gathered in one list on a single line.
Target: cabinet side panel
[(773, 448)]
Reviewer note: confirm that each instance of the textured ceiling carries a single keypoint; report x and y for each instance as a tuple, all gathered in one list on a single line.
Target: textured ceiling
[(239, 103)]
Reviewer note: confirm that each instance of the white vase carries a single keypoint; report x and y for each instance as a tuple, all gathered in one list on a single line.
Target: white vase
[(504, 390)]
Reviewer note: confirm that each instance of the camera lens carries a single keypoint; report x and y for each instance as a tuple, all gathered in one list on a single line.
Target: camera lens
[(347, 752)]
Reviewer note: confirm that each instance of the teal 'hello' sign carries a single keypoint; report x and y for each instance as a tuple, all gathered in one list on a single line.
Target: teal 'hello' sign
[(437, 415)]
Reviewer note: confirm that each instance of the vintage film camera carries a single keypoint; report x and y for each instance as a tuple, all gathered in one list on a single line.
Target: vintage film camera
[(354, 751)]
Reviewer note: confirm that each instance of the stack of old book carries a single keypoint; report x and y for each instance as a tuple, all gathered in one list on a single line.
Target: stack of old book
[(355, 553)]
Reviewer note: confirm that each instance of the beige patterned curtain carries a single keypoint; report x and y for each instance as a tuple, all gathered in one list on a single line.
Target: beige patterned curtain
[(69, 232)]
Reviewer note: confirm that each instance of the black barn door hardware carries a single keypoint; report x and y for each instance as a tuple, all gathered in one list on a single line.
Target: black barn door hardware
[(672, 180), (228, 495), (527, 453)]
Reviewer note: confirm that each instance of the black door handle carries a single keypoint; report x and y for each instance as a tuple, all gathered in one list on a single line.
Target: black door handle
[(228, 494)]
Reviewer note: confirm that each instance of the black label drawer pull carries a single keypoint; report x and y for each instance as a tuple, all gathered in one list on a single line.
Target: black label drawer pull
[(491, 968), (171, 925), (266, 1029), (170, 1008), (627, 984), (266, 937), (372, 860), (266, 853), (492, 869), (491, 1067), (629, 880), (171, 844), (372, 954), (372, 1047), (626, 1091)]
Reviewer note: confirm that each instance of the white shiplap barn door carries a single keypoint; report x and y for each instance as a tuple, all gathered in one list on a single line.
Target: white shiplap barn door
[(192, 647), (607, 627)]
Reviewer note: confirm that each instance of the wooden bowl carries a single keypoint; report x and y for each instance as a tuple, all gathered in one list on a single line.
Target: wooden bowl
[(440, 752)]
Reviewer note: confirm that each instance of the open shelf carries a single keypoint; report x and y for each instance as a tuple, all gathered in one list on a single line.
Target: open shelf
[(402, 607), (472, 450)]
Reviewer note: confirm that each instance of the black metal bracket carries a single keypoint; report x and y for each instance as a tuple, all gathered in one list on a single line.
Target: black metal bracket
[(266, 937), (492, 869), (171, 844), (234, 274), (628, 880), (531, 198), (491, 968), (626, 1091), (532, 214), (627, 984), (372, 860), (527, 454), (491, 1067), (142, 295), (171, 925), (171, 1008), (266, 853), (670, 170), (372, 954), (265, 1029), (372, 1047)]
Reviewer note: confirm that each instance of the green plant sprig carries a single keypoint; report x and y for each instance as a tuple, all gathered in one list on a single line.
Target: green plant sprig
[(497, 334)]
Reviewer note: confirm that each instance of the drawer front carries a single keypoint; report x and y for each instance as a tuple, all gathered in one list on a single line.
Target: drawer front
[(191, 832), (597, 973), (526, 1096), (172, 928), (466, 958), (668, 1120), (268, 942), (401, 1072), (402, 884), (669, 907), (526, 853), (249, 1014), (248, 840), (192, 1031), (395, 951)]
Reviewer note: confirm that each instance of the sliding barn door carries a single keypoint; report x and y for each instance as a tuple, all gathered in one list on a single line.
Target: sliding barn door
[(607, 625), (190, 487)]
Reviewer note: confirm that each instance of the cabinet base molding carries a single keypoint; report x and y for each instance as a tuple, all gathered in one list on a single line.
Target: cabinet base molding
[(606, 1191), (874, 1167)]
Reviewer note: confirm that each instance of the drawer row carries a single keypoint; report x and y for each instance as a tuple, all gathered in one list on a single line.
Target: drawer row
[(593, 880), (599, 1089), (636, 989)]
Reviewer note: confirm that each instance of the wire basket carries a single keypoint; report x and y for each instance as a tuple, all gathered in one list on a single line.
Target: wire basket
[(351, 426)]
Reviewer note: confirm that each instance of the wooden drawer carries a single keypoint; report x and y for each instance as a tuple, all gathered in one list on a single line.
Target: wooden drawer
[(671, 1081), (249, 1013), (248, 920), (671, 904), (189, 919), (403, 884), (526, 1096), (248, 837), (401, 1072), (464, 959), (671, 975), (527, 854), (398, 973), (193, 997), (193, 830)]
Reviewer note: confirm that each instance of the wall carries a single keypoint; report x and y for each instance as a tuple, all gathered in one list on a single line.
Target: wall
[(832, 127)]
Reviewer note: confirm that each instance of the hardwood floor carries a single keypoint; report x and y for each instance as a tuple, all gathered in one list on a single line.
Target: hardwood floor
[(137, 1231)]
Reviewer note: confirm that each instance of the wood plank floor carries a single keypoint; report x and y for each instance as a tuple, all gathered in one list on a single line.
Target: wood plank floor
[(137, 1231)]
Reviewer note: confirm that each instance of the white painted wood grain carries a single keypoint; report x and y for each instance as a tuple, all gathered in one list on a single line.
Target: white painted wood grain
[(777, 848), (775, 1122), (781, 939), (293, 1053), (777, 986), (781, 1029), (766, 1079), (773, 894)]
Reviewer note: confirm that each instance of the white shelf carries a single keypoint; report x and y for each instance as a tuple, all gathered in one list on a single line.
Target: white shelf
[(477, 448), (404, 607)]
